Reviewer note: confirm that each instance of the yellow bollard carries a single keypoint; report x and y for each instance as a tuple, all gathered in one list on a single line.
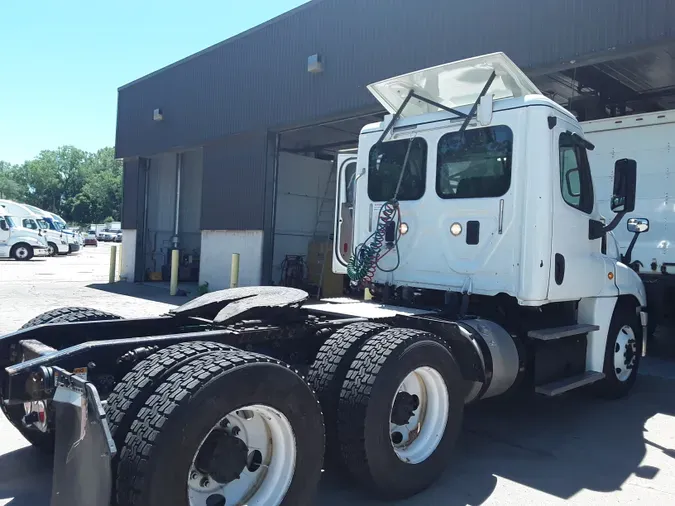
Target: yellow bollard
[(119, 262), (175, 256), (367, 295), (113, 264), (234, 273)]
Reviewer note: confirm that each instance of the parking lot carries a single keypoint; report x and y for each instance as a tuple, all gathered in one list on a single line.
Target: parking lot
[(571, 449)]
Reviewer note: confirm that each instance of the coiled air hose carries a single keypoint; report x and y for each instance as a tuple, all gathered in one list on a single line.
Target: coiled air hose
[(365, 261), (366, 258)]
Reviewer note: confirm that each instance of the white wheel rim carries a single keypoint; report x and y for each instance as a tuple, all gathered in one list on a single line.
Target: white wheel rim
[(417, 439), (21, 252), (625, 353), (268, 474), (50, 249)]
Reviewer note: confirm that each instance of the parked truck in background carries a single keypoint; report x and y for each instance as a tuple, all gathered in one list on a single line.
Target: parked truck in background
[(18, 242), (470, 215), (57, 240), (650, 140), (55, 222)]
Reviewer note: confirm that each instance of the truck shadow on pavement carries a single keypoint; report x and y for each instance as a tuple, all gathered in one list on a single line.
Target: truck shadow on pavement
[(144, 291), (557, 446), (25, 476)]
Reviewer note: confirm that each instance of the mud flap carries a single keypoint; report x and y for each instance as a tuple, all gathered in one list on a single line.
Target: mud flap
[(84, 446)]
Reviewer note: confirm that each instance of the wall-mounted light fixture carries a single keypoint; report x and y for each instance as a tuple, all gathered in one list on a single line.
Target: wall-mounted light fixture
[(157, 115), (315, 64)]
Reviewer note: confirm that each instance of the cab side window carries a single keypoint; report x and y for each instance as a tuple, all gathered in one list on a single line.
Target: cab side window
[(575, 174), (29, 224)]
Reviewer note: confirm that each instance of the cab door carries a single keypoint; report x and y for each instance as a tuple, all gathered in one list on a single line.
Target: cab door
[(577, 265), (4, 238), (343, 243)]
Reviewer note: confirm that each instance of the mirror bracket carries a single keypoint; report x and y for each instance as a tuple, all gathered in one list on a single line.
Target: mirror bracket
[(596, 229)]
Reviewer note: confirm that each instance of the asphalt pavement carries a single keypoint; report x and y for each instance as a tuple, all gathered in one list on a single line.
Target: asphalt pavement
[(568, 450)]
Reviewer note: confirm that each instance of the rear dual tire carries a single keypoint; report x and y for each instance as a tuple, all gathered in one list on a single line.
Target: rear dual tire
[(204, 398), (368, 416)]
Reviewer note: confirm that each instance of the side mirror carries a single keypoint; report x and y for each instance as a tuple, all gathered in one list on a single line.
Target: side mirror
[(637, 225), (625, 182), (3, 225)]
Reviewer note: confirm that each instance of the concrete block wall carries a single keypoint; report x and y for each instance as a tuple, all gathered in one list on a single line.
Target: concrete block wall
[(216, 257)]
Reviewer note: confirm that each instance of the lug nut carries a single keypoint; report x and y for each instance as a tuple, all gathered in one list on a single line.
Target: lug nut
[(204, 483), (193, 475), (236, 431)]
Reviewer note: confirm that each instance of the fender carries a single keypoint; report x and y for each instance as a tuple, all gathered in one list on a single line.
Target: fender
[(629, 283)]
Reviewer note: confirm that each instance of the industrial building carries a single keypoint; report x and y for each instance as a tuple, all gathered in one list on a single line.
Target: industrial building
[(232, 150)]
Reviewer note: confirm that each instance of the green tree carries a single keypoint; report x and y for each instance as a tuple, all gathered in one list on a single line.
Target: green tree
[(81, 187), (9, 187)]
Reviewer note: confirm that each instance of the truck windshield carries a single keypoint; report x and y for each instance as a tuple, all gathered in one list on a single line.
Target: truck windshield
[(385, 164), (50, 224), (475, 163), (43, 224)]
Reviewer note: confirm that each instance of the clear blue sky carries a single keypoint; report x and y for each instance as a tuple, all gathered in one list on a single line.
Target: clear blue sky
[(61, 62)]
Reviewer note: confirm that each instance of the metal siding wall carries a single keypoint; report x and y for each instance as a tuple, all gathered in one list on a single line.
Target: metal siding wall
[(130, 196), (189, 228), (260, 80), (234, 181)]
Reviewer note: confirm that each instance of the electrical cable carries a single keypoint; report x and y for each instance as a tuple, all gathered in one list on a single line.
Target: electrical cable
[(365, 261)]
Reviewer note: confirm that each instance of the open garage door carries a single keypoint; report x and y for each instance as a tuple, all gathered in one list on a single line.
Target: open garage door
[(308, 170)]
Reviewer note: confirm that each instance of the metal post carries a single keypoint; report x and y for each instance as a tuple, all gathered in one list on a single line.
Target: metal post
[(367, 295), (113, 264), (175, 255), (119, 260), (179, 169), (234, 272)]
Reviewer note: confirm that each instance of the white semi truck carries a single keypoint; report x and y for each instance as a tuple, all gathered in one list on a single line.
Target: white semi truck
[(57, 240), (650, 140), (18, 242), (55, 223), (470, 215)]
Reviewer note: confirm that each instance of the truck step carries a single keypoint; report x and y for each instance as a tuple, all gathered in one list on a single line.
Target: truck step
[(567, 384), (560, 332)]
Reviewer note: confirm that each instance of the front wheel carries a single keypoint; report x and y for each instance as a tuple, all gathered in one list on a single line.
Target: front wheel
[(22, 252), (226, 428), (400, 413), (52, 249), (623, 352)]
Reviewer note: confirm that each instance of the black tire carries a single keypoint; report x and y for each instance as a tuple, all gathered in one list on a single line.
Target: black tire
[(53, 249), (160, 447), (70, 314), (17, 252), (365, 406), (328, 373), (15, 413), (133, 391), (611, 387)]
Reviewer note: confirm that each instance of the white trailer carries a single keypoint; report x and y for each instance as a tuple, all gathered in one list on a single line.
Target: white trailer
[(469, 213), (650, 140)]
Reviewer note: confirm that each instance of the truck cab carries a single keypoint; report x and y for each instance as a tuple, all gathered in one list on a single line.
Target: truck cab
[(18, 242), (55, 222), (57, 241), (475, 193)]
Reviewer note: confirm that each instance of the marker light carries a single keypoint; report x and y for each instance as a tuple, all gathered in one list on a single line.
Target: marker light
[(403, 228), (456, 229)]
